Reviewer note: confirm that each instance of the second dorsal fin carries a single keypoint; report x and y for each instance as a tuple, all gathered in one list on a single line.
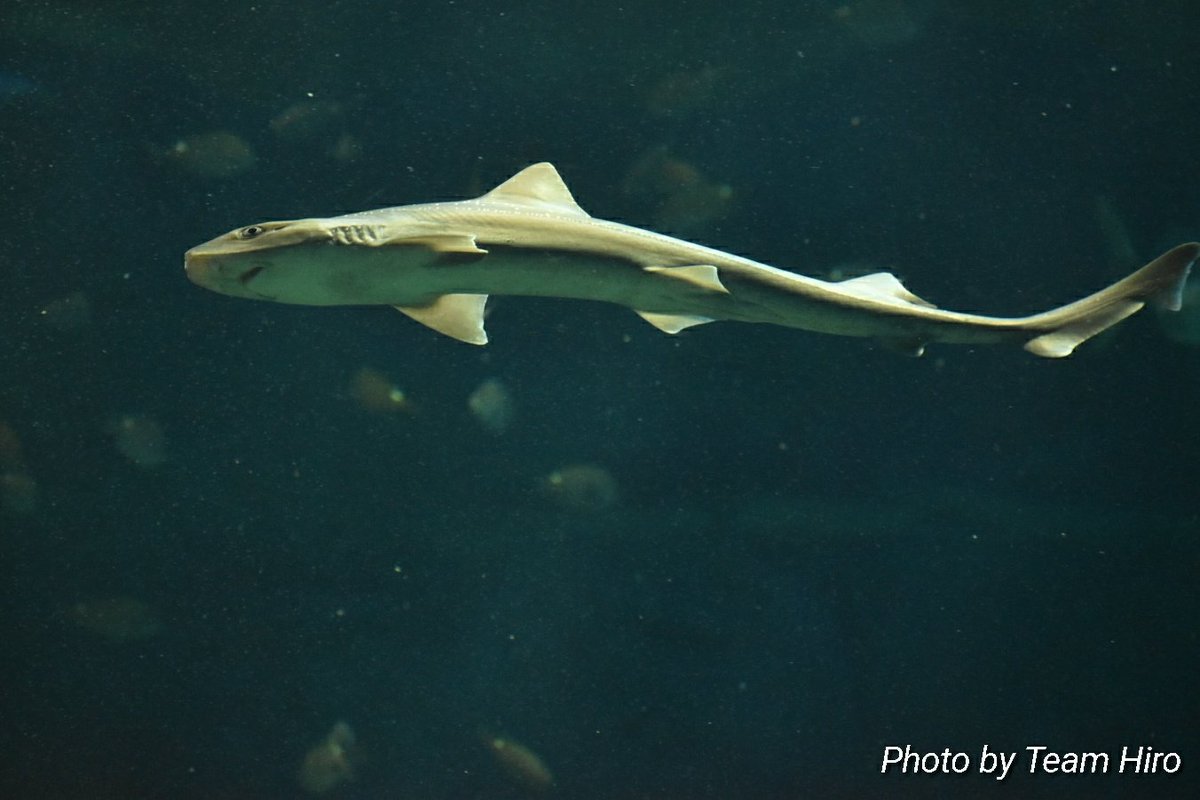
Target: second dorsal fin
[(883, 286)]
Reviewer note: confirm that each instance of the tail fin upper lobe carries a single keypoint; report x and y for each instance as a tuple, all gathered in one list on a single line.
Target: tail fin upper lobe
[(1160, 281)]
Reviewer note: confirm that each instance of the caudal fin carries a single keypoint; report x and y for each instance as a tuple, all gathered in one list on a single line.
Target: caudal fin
[(1161, 281)]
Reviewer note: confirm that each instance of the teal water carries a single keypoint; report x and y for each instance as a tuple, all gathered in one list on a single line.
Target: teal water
[(786, 552)]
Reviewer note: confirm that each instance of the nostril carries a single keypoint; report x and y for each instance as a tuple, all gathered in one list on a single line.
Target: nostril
[(249, 275)]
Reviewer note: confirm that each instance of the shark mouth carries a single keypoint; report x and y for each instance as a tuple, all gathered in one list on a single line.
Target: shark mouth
[(249, 275)]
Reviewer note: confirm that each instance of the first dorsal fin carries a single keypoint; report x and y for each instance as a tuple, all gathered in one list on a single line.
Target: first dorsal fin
[(538, 185)]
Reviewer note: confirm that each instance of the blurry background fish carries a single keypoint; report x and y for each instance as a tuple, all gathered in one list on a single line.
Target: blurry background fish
[(11, 457), (580, 487), (118, 618), (215, 155), (523, 767), (375, 391), (687, 92), (883, 23), (317, 124), (18, 490), (14, 86), (492, 406), (139, 438), (309, 121), (331, 762), (681, 199), (70, 312)]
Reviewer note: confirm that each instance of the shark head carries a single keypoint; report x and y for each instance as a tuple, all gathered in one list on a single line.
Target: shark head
[(231, 263), (337, 261)]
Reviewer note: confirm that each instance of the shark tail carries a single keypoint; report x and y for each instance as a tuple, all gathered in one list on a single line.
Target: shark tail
[(1062, 330)]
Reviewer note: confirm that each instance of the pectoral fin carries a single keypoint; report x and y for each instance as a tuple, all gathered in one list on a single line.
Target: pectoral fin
[(1062, 341), (454, 247), (457, 315)]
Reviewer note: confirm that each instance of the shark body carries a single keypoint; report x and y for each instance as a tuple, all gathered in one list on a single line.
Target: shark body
[(439, 262)]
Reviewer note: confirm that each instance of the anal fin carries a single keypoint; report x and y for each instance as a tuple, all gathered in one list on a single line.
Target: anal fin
[(672, 323), (457, 315), (1063, 340)]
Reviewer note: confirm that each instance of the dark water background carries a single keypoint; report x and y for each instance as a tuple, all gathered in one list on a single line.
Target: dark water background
[(820, 548)]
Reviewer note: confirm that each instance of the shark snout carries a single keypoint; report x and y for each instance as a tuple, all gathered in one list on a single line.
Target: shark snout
[(223, 273), (215, 272), (199, 268)]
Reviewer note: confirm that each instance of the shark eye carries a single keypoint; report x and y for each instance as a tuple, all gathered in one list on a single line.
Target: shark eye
[(250, 232)]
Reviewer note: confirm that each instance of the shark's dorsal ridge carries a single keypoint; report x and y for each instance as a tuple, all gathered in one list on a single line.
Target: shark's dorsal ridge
[(540, 186)]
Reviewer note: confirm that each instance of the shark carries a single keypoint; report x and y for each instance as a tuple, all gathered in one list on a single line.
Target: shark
[(439, 263)]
